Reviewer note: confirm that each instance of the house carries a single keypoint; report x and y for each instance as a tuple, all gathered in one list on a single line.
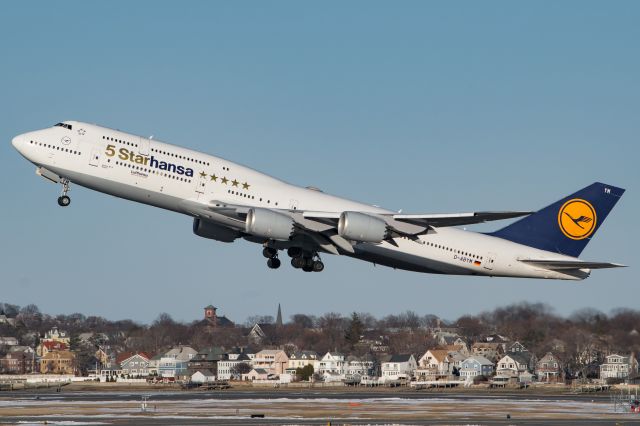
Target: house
[(331, 362), (492, 351), (262, 333), (154, 365), (212, 320), (256, 374), (207, 359), (110, 369), (203, 376), (60, 362), (618, 367), (435, 364), (512, 365), (18, 362), (50, 346), (4, 319), (549, 368), (55, 335), (460, 348), (227, 368), (8, 341), (402, 365), (475, 366), (174, 363), (518, 348), (275, 361), (301, 359), (182, 353), (360, 366), (134, 364)]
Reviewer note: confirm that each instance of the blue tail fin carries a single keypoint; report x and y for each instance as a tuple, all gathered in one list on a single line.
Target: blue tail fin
[(565, 226)]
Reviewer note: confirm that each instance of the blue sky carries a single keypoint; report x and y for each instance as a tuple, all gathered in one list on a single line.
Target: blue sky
[(420, 106)]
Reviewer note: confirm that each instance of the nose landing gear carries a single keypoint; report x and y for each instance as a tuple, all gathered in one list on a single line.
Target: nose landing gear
[(64, 200)]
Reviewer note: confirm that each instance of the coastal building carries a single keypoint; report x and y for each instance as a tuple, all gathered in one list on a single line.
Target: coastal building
[(549, 369), (275, 361), (59, 362), (398, 366), (618, 367), (475, 366)]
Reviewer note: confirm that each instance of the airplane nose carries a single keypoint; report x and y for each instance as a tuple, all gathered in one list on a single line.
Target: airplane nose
[(16, 142)]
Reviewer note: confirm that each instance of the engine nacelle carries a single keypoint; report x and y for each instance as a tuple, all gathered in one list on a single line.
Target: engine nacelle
[(362, 227), (206, 229), (269, 224)]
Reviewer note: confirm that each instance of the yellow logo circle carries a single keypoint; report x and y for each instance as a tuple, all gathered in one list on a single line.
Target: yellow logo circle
[(577, 219)]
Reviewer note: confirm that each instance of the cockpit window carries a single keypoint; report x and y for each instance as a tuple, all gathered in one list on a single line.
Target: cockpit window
[(66, 126)]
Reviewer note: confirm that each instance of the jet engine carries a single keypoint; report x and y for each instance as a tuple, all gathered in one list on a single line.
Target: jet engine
[(362, 227), (269, 224), (206, 229)]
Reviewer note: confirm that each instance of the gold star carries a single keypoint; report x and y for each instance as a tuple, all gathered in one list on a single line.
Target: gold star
[(225, 180), (203, 174), (245, 185), (214, 178), (234, 182)]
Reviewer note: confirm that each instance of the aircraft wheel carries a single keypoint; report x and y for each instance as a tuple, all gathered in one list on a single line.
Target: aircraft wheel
[(318, 266), (269, 252), (294, 252), (296, 262), (64, 201), (273, 263), (307, 268)]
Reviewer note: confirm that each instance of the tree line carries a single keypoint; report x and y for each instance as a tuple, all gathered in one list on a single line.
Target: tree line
[(533, 324)]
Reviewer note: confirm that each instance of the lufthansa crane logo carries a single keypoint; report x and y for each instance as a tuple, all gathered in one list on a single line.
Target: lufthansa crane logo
[(577, 219)]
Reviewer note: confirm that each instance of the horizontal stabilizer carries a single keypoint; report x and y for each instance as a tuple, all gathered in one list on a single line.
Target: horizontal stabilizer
[(557, 265)]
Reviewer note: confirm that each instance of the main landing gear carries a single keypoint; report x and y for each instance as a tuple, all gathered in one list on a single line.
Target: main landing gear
[(304, 261), (308, 262), (272, 255), (64, 200)]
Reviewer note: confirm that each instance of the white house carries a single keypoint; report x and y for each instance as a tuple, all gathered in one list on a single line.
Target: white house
[(227, 367), (8, 341), (360, 366), (618, 367), (512, 365), (403, 365), (475, 365), (333, 363), (203, 376), (436, 364)]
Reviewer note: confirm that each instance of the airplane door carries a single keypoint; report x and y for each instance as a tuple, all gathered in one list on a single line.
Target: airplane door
[(95, 157), (143, 146), (293, 204), (489, 261), (201, 183)]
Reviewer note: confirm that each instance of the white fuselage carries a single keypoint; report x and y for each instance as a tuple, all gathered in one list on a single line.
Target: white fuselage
[(164, 175)]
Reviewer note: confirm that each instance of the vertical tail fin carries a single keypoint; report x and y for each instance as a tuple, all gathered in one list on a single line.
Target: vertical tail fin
[(565, 226)]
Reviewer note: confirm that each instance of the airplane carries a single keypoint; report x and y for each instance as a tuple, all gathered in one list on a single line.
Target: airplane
[(228, 201)]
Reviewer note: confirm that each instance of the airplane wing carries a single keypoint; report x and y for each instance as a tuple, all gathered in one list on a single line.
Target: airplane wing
[(322, 227), (456, 219), (558, 265)]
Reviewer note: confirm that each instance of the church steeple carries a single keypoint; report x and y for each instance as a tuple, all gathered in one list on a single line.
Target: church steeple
[(279, 317)]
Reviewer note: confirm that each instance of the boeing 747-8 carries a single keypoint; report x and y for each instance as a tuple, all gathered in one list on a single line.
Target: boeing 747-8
[(228, 201)]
